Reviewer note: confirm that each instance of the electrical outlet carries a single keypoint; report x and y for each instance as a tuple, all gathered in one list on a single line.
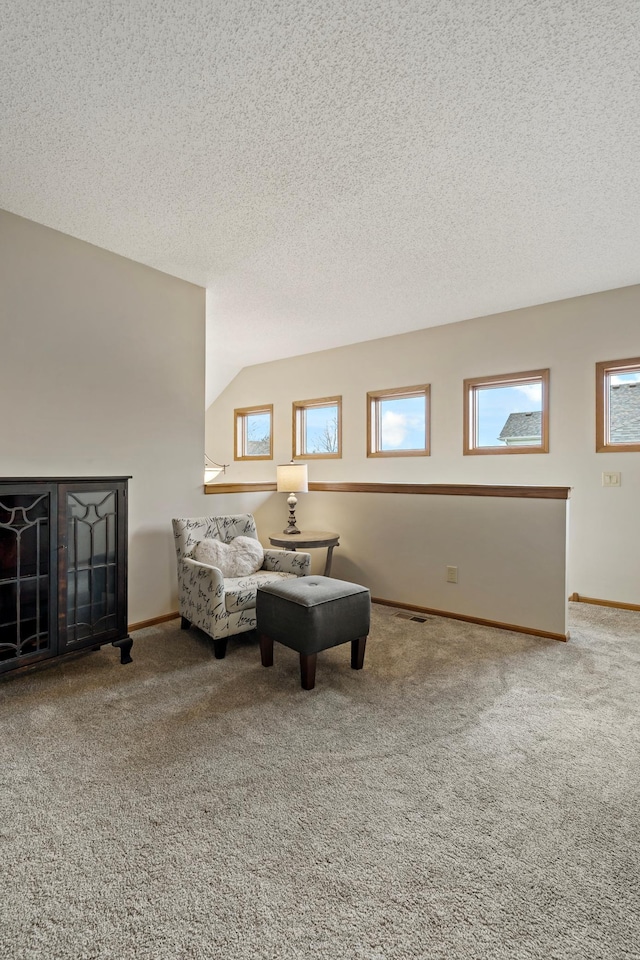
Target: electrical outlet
[(611, 479), (452, 574)]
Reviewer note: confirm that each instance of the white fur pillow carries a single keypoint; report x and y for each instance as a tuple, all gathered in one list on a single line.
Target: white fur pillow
[(240, 558)]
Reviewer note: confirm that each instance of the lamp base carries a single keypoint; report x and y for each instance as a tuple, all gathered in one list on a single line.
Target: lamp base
[(292, 529)]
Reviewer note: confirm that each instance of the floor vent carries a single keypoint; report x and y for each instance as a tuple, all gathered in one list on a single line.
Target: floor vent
[(408, 616)]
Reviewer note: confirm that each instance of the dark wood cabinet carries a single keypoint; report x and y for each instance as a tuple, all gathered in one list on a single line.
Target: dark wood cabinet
[(63, 567)]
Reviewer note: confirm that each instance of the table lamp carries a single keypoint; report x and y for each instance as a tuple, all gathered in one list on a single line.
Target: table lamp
[(292, 478)]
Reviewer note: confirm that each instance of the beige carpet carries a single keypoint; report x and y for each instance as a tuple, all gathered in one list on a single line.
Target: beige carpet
[(470, 794)]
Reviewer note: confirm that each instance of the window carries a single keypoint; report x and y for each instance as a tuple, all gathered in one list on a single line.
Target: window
[(317, 428), (508, 413), (618, 406), (398, 422), (253, 433)]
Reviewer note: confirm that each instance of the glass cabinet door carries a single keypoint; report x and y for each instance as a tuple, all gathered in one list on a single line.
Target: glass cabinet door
[(27, 608), (92, 547)]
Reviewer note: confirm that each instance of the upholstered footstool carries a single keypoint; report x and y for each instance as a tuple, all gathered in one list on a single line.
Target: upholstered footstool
[(310, 614)]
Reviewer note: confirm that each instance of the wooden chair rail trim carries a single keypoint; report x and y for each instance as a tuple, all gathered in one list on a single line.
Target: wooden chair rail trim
[(249, 487), (433, 489), (468, 619)]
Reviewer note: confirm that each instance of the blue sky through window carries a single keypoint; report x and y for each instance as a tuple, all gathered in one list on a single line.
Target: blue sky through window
[(258, 434), (633, 377), (321, 434), (402, 423), (494, 404)]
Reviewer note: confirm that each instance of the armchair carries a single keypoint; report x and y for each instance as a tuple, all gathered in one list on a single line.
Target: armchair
[(225, 606)]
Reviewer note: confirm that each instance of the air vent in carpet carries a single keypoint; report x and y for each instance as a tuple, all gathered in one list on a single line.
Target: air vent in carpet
[(408, 616)]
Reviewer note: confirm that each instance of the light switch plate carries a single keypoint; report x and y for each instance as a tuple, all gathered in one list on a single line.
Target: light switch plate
[(610, 479)]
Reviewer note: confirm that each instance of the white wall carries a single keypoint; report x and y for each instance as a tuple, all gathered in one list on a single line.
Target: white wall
[(567, 336), (102, 373)]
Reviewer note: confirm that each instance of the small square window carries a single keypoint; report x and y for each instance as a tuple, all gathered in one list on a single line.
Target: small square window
[(398, 422), (507, 414), (618, 406), (317, 428), (253, 433)]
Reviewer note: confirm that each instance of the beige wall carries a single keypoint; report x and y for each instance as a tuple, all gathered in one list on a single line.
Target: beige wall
[(102, 373), (510, 553), (568, 336)]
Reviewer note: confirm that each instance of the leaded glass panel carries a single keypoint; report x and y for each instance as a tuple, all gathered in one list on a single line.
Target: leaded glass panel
[(24, 574), (92, 561)]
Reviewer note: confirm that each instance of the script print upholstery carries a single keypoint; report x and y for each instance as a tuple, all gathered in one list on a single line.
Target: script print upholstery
[(225, 607)]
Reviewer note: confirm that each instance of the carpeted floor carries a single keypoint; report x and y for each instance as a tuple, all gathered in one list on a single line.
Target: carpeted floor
[(470, 794)]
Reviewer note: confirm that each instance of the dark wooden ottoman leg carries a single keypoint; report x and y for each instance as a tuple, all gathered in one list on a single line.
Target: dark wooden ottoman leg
[(357, 653), (308, 670), (266, 650), (184, 623)]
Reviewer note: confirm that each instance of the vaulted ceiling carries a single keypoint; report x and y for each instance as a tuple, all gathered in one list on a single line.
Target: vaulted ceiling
[(332, 170)]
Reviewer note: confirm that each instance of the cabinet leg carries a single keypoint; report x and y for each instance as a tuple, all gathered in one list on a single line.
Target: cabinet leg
[(125, 649)]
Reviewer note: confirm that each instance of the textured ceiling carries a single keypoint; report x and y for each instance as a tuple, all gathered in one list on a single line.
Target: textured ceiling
[(332, 171)]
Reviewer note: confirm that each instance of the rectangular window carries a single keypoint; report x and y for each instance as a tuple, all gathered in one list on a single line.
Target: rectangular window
[(618, 406), (253, 433), (317, 428), (508, 413), (398, 422)]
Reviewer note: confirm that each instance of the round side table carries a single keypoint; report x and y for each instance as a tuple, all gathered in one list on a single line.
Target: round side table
[(308, 540)]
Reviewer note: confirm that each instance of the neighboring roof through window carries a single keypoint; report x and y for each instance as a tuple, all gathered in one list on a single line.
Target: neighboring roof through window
[(523, 427), (624, 413)]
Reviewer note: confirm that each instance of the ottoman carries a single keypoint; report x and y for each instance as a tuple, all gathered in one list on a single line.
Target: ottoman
[(310, 614)]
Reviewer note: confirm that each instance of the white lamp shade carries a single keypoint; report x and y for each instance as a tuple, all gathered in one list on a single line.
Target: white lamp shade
[(292, 478)]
